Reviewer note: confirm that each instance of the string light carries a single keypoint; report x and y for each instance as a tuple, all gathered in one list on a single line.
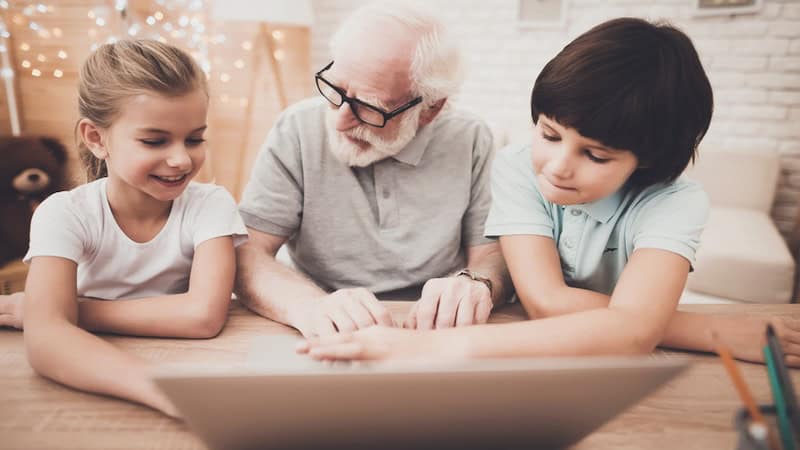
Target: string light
[(184, 21)]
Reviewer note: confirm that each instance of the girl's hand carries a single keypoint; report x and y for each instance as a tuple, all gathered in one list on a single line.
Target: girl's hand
[(372, 343), (11, 310)]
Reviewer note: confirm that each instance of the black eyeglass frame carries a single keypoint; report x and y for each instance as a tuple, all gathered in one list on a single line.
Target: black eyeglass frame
[(387, 115)]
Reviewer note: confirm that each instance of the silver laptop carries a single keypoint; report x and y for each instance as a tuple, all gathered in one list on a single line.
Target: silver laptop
[(285, 401)]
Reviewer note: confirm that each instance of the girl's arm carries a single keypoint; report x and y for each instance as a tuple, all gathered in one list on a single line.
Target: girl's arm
[(199, 313), (58, 349)]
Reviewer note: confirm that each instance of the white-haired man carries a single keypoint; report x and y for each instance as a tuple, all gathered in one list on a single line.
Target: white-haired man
[(376, 187)]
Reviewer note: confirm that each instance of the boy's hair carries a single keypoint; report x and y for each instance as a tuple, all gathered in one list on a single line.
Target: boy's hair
[(117, 71), (631, 85)]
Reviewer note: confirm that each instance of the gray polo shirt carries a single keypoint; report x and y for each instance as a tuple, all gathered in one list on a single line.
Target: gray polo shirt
[(392, 225)]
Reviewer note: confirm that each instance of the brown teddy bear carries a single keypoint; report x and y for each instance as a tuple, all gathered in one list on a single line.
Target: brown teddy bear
[(32, 168)]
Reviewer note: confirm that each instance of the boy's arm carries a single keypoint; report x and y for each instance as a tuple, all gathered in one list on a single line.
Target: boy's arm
[(627, 325), (541, 289), (59, 350), (199, 313)]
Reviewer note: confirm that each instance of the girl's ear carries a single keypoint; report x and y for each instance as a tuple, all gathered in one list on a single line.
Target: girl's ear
[(93, 137)]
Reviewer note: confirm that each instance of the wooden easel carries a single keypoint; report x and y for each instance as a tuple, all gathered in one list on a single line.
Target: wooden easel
[(264, 36)]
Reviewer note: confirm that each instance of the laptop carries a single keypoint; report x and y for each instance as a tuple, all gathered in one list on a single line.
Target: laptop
[(280, 400)]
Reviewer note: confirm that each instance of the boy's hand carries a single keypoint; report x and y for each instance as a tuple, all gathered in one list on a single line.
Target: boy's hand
[(745, 335), (11, 310)]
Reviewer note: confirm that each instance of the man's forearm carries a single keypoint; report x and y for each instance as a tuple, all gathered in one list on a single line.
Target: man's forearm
[(492, 265), (271, 289)]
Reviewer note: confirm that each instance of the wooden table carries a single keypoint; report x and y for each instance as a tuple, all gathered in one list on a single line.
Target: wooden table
[(694, 411)]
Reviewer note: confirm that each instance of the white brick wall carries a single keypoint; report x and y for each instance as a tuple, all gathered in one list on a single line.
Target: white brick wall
[(753, 62)]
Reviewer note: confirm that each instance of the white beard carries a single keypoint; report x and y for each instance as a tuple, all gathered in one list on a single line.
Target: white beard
[(354, 156)]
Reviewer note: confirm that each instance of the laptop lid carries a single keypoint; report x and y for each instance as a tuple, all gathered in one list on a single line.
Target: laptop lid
[(508, 403)]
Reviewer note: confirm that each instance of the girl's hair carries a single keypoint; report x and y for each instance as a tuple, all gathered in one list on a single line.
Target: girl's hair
[(436, 70), (631, 85), (117, 71)]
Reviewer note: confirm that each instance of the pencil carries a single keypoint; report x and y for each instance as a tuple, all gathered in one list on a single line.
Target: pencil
[(739, 384), (741, 387)]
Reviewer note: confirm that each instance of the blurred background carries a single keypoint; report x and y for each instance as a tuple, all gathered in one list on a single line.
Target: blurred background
[(261, 56)]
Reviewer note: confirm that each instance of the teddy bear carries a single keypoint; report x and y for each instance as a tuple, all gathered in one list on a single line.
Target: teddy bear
[(31, 169)]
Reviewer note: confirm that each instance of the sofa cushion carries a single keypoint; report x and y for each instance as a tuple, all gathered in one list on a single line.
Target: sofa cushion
[(743, 257), (738, 178)]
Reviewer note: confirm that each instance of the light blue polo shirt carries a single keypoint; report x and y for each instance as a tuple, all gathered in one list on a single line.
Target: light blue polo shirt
[(595, 240)]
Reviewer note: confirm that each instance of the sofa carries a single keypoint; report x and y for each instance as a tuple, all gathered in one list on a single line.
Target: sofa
[(742, 256)]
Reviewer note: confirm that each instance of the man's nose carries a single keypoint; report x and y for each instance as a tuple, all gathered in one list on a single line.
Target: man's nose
[(345, 118)]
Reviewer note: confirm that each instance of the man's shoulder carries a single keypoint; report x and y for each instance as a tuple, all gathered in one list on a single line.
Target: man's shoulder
[(308, 107), (459, 117)]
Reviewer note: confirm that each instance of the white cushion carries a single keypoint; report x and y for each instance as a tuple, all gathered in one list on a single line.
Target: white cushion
[(738, 178), (742, 256)]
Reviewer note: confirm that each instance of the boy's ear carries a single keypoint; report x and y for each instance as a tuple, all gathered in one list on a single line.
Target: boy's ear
[(93, 137)]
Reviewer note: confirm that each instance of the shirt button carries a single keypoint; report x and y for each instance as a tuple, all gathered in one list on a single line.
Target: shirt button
[(386, 193), (575, 212), (568, 243)]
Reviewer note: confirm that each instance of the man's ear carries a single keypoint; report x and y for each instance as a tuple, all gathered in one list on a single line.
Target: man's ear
[(430, 112), (93, 137)]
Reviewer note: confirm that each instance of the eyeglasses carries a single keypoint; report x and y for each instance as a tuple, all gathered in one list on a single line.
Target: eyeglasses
[(364, 112)]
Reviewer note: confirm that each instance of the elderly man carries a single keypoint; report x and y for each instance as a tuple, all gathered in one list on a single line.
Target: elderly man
[(376, 186)]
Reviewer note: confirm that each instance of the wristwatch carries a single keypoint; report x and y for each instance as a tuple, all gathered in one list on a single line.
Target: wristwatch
[(475, 277)]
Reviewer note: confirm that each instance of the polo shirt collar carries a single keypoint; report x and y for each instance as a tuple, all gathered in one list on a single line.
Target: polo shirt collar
[(602, 210), (412, 153)]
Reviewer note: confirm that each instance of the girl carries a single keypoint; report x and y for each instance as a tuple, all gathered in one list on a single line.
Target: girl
[(139, 232), (596, 227)]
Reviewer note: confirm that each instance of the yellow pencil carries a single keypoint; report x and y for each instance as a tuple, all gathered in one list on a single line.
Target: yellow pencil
[(742, 389)]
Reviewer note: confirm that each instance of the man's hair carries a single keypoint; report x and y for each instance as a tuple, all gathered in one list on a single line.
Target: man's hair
[(631, 85), (436, 70)]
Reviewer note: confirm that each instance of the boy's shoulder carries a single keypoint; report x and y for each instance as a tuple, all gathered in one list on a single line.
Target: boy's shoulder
[(682, 194), (515, 156)]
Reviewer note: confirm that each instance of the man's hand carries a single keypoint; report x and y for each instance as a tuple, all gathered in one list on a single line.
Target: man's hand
[(450, 302), (11, 310), (745, 335), (345, 310)]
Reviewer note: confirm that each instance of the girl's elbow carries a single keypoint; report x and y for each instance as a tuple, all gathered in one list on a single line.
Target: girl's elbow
[(209, 322)]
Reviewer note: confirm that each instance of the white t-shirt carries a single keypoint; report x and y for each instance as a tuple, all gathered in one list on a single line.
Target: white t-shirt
[(78, 225)]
